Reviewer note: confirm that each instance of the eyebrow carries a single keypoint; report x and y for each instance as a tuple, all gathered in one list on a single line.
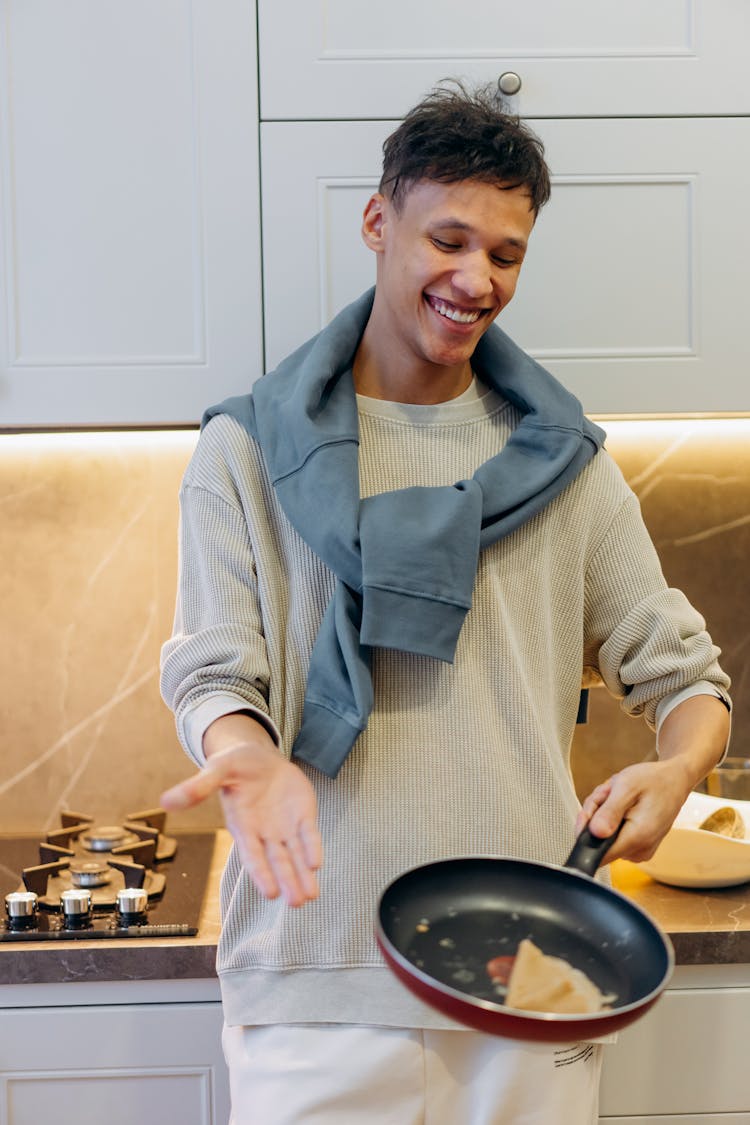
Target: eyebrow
[(459, 224)]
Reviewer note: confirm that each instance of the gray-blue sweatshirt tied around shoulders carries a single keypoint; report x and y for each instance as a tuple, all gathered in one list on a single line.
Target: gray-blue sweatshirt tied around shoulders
[(405, 561)]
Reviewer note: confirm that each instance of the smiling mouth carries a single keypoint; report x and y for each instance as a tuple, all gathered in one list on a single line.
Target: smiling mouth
[(452, 312)]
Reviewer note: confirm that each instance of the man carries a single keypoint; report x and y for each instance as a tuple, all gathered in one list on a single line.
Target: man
[(398, 560)]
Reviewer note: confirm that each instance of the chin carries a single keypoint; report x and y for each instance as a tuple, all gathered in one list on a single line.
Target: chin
[(451, 357)]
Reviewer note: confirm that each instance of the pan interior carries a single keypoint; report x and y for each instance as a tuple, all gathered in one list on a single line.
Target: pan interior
[(449, 919)]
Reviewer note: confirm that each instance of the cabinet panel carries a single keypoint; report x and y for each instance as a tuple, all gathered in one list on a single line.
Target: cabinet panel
[(149, 1063), (578, 58), (129, 240), (680, 1119), (634, 285), (686, 1056), (119, 1098)]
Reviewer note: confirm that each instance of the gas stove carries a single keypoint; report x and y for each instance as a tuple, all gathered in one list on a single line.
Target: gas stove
[(88, 880)]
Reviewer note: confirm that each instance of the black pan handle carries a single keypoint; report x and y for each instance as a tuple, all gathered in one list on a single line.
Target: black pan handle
[(589, 850)]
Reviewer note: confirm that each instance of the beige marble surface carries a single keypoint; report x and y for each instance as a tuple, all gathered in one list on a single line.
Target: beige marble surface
[(693, 480), (88, 526), (89, 559)]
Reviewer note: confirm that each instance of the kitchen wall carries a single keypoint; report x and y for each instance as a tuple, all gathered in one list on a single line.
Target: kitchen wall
[(88, 527), (87, 576), (693, 480)]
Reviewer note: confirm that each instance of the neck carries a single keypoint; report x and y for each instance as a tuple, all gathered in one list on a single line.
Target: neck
[(379, 375)]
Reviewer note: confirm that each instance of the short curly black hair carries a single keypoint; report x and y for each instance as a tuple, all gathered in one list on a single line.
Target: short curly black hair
[(457, 134)]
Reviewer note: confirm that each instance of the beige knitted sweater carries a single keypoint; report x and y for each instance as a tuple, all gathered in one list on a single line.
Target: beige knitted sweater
[(457, 759)]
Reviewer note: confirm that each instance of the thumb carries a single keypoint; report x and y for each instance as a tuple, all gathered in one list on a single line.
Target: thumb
[(186, 794), (609, 816)]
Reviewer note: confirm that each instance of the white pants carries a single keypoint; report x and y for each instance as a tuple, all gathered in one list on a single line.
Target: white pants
[(330, 1074)]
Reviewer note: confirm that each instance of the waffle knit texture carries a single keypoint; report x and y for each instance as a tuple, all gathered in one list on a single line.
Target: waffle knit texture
[(405, 558), (457, 759)]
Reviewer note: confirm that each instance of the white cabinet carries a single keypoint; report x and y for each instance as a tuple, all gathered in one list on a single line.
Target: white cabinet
[(130, 261), (343, 59), (686, 1060), (633, 291), (129, 209), (119, 1064)]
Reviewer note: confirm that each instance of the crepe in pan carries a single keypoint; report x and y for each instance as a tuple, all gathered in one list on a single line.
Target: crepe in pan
[(540, 983)]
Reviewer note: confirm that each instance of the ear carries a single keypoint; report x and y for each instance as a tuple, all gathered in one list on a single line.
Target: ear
[(373, 221)]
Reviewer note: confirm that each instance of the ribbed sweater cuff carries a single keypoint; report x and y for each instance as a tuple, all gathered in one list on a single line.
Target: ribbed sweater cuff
[(325, 738), (414, 623)]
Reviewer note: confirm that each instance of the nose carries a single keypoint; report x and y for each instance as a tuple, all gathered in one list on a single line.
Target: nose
[(473, 276)]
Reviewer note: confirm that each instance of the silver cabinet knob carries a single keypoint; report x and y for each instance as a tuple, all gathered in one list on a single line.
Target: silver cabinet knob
[(509, 82)]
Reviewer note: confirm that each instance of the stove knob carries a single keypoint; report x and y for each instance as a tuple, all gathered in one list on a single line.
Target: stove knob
[(132, 903), (76, 904), (21, 909)]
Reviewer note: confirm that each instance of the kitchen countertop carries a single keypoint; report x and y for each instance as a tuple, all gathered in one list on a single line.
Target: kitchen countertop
[(706, 928)]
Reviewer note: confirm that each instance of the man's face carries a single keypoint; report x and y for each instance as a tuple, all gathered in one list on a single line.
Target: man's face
[(448, 262)]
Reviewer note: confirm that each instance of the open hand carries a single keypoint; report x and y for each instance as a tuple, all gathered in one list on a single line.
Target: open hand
[(270, 809)]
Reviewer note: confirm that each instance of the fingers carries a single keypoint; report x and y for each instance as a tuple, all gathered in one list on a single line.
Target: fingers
[(634, 843), (297, 882), (603, 811), (253, 856), (644, 798), (311, 843), (279, 867), (279, 861), (305, 864), (270, 810), (591, 805), (606, 818)]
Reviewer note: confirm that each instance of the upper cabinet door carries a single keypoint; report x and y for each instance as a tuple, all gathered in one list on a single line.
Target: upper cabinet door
[(635, 285), (606, 57), (129, 209)]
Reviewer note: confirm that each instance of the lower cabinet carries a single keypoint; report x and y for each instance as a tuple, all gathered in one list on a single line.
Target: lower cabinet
[(151, 1053), (145, 1063), (686, 1061)]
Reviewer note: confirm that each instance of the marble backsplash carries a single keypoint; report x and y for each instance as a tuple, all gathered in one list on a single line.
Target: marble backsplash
[(88, 532)]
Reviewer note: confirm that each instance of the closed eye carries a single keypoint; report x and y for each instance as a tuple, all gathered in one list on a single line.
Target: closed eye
[(443, 245)]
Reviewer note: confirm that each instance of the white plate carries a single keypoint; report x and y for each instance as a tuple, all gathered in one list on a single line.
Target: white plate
[(688, 856)]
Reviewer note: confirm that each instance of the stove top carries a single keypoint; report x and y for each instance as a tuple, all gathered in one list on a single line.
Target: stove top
[(93, 880)]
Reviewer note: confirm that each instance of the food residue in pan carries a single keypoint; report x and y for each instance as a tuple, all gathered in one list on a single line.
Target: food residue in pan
[(499, 970)]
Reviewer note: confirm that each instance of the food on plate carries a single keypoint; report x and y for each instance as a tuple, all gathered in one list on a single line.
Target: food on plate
[(540, 983), (726, 821)]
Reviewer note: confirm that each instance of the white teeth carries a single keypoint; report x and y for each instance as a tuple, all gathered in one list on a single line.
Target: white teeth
[(455, 314)]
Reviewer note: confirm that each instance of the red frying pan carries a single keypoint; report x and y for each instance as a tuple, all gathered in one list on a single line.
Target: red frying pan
[(440, 924)]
